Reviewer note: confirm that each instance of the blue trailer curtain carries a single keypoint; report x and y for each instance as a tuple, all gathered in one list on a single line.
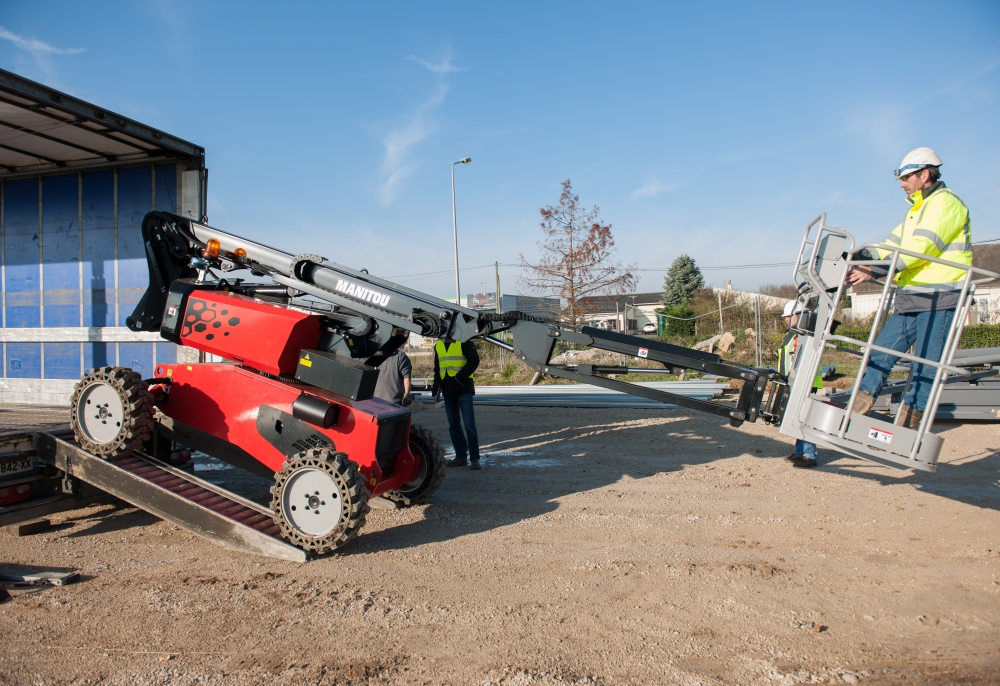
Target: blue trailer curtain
[(73, 257)]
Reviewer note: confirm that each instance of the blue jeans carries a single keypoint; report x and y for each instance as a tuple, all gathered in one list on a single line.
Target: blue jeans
[(805, 449), (458, 409), (924, 330)]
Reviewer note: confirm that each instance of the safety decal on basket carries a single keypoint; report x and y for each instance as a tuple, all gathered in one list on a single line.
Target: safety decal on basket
[(643, 352), (879, 435)]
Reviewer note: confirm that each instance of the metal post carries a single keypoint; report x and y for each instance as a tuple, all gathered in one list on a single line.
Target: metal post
[(719, 293), (757, 336), (496, 272)]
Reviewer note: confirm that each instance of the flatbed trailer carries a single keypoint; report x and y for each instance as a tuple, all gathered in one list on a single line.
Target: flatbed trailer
[(65, 477)]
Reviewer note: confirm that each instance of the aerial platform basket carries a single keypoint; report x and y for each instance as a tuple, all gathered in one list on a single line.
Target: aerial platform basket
[(825, 257)]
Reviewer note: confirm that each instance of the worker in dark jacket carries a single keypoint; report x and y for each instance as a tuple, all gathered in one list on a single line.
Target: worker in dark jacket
[(454, 364)]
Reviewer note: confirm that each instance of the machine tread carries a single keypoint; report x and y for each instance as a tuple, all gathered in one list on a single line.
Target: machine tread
[(139, 408), (426, 444), (349, 482)]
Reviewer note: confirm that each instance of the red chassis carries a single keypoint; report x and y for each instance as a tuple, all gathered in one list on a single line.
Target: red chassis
[(284, 406), (257, 412), (232, 403)]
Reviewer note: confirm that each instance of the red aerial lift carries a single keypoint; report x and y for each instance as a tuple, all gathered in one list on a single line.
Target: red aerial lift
[(303, 339)]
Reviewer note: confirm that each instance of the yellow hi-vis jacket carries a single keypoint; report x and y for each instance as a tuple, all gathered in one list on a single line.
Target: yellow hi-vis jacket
[(450, 358), (937, 224), (786, 357)]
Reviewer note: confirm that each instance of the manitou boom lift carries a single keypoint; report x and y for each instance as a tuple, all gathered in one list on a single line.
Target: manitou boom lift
[(295, 401)]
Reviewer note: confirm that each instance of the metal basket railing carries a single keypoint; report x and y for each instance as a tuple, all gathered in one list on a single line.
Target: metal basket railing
[(813, 285)]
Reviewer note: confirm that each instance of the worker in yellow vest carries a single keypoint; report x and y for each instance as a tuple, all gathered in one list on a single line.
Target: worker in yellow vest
[(454, 364), (804, 456), (937, 224)]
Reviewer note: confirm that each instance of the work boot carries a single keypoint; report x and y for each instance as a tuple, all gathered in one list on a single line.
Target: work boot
[(456, 462), (474, 465), (863, 403), (908, 418), (794, 458)]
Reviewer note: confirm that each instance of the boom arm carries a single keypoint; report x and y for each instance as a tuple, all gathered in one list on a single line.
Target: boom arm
[(361, 311)]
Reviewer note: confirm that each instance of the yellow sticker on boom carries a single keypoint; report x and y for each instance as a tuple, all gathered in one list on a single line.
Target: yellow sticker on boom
[(305, 361)]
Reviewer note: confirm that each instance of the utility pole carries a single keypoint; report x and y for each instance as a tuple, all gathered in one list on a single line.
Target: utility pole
[(718, 293), (454, 226), (496, 272)]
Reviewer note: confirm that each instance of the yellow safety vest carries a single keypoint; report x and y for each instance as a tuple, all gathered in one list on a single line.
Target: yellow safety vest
[(450, 358), (786, 355), (936, 225)]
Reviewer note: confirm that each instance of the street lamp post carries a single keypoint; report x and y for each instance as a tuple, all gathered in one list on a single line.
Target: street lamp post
[(454, 225)]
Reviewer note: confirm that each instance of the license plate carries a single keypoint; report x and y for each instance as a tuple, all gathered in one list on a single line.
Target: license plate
[(22, 464)]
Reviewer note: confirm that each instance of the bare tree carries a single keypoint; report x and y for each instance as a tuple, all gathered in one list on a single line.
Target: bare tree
[(576, 257)]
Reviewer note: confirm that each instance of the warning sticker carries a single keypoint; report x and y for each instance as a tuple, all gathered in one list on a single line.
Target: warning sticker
[(643, 352), (879, 435)]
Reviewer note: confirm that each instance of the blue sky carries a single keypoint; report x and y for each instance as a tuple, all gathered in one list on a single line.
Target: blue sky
[(715, 129)]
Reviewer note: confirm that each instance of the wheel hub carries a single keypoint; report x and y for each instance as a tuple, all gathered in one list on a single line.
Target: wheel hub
[(100, 413), (311, 503)]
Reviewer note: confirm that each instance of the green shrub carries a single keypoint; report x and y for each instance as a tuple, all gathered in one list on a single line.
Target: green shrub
[(677, 321)]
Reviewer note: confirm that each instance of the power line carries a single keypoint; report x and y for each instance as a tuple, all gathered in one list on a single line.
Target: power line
[(649, 269), (731, 266)]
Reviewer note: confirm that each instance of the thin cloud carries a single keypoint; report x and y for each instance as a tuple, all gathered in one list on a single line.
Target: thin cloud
[(401, 141), (443, 67), (653, 188), (35, 46)]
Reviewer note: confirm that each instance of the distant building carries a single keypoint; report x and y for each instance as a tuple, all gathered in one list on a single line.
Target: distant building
[(766, 300), (864, 298), (621, 312), (632, 312), (535, 306)]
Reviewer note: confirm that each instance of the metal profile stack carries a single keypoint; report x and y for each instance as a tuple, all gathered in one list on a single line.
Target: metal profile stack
[(583, 395)]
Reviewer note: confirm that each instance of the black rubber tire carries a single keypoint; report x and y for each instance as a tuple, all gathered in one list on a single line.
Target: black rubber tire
[(138, 423), (424, 445), (350, 485)]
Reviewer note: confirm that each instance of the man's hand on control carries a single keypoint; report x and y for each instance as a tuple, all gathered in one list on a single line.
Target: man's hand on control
[(859, 275)]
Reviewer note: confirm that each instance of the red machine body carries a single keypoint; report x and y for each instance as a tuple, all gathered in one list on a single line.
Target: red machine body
[(244, 408), (265, 336)]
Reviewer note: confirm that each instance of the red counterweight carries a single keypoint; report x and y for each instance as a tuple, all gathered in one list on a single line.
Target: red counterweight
[(265, 336)]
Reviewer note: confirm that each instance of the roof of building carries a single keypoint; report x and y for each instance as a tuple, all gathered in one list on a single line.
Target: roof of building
[(987, 256), (42, 129), (606, 303), (984, 256)]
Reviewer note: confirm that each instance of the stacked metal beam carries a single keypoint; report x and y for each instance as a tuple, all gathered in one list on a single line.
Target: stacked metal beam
[(581, 395)]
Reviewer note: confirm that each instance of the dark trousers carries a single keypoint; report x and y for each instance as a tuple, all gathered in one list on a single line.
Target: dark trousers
[(459, 409)]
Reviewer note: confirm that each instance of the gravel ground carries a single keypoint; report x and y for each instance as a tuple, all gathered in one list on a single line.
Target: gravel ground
[(595, 547)]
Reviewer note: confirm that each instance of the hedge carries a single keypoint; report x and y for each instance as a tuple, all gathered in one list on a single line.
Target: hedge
[(973, 336)]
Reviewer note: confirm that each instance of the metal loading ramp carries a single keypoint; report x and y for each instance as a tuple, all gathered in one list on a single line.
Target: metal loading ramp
[(171, 494)]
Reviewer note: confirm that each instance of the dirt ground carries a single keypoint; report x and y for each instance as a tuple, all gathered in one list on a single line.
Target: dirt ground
[(595, 547)]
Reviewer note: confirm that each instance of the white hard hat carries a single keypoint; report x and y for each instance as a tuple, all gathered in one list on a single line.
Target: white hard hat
[(790, 308), (916, 160)]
